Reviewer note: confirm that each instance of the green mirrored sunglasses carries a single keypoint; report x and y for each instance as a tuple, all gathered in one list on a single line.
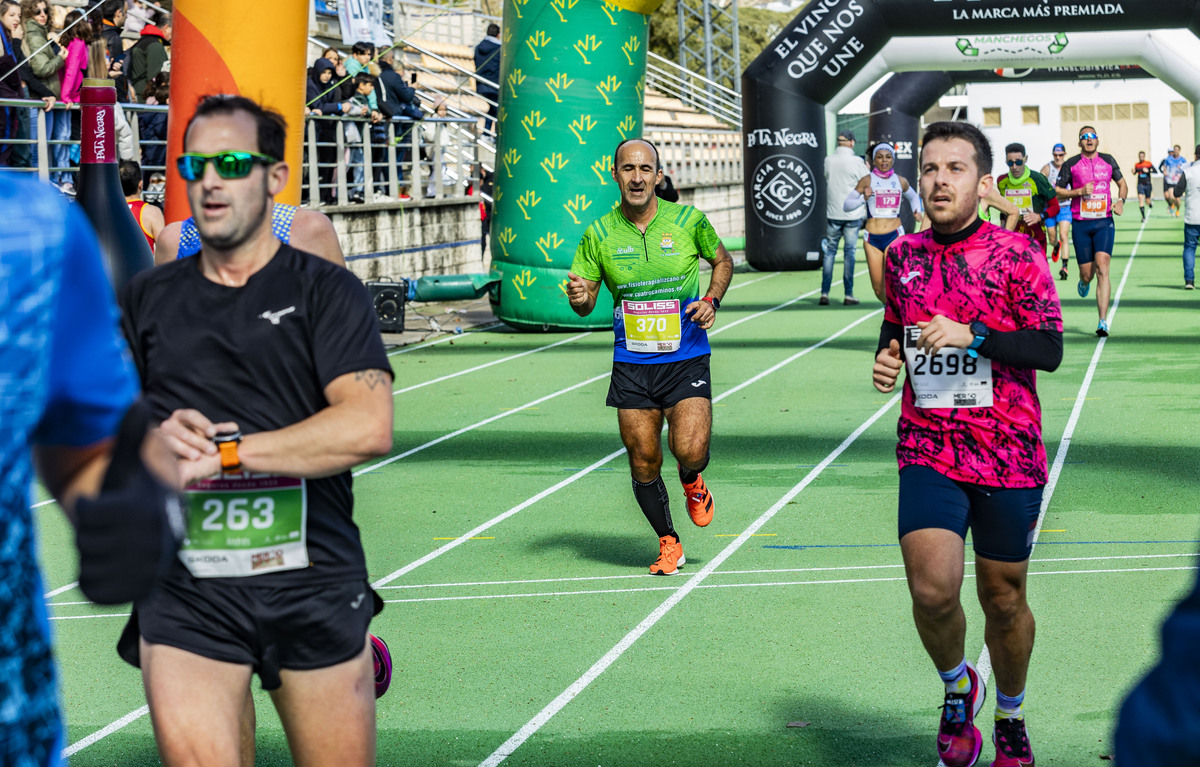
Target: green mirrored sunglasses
[(228, 164)]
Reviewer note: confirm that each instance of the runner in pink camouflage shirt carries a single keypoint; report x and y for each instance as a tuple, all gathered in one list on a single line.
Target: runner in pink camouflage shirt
[(972, 312)]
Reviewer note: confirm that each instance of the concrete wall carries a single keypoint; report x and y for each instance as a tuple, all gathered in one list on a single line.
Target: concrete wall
[(423, 237), (1050, 97)]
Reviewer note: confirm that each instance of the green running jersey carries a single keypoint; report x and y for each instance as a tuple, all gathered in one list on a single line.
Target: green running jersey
[(652, 277)]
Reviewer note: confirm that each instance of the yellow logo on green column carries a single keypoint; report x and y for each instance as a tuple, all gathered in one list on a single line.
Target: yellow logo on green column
[(603, 169), (588, 44), (550, 242), (560, 83), (563, 5), (625, 126), (552, 163), (527, 201), (576, 206), (533, 120), (608, 87), (583, 124), (631, 46), (515, 78)]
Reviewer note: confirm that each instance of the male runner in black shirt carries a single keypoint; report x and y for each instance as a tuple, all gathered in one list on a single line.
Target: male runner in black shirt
[(266, 368)]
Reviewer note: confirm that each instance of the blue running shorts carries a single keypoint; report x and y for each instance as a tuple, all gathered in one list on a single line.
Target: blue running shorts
[(1001, 520), (1092, 236)]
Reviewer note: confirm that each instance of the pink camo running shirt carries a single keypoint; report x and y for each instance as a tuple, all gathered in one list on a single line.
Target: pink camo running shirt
[(1002, 279)]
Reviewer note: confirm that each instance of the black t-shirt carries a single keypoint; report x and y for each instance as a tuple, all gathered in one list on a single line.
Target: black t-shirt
[(260, 355)]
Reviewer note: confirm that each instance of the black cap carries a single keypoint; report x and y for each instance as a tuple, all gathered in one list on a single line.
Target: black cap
[(846, 134)]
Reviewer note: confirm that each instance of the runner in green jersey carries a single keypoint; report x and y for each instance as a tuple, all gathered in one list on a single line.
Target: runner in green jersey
[(647, 252), (1029, 191)]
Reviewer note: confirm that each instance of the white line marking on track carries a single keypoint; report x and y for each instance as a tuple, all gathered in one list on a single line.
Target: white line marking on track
[(489, 364), (737, 285), (449, 337), (129, 718), (580, 684), (968, 563), (984, 666), (582, 472), (821, 582), (61, 589), (462, 539), (582, 592)]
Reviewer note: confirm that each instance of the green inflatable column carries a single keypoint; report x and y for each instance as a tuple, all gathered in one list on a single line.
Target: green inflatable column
[(573, 76)]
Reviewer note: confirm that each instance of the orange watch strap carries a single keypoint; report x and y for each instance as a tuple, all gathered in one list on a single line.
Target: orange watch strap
[(229, 455)]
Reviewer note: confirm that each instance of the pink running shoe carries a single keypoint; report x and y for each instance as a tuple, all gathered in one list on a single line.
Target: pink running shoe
[(383, 665), (1012, 744), (959, 740)]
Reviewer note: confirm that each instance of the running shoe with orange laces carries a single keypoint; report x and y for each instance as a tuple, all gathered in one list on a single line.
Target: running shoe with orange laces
[(699, 501), (670, 556)]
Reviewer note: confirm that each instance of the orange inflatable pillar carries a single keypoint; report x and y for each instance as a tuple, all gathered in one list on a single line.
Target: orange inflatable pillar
[(254, 49)]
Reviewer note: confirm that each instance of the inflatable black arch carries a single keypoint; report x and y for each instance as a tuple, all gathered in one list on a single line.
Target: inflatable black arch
[(834, 49)]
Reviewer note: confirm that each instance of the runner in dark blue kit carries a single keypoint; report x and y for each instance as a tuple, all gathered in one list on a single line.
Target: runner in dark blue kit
[(1086, 179)]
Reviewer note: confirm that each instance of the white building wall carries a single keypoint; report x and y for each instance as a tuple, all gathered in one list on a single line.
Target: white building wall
[(1050, 96)]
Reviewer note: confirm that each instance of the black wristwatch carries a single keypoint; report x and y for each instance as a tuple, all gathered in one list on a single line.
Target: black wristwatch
[(716, 302), (981, 332)]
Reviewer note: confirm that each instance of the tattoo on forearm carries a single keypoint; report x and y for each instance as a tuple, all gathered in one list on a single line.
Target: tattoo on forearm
[(372, 378)]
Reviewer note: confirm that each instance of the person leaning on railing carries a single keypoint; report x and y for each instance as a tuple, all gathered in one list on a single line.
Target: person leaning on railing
[(45, 62), (324, 97)]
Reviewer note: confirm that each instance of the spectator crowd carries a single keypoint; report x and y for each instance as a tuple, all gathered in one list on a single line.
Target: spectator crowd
[(47, 50)]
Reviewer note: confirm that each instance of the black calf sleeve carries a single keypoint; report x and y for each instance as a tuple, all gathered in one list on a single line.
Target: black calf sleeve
[(656, 505)]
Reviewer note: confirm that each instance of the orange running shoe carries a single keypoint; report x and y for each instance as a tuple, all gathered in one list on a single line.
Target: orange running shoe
[(699, 502), (670, 556)]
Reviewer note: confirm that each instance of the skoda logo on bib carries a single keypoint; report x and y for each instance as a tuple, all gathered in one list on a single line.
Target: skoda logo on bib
[(951, 378), (246, 524)]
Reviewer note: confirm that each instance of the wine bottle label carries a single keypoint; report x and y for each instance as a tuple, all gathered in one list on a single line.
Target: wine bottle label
[(98, 135)]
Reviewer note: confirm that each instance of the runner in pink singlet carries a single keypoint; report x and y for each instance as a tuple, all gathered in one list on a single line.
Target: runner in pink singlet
[(971, 313)]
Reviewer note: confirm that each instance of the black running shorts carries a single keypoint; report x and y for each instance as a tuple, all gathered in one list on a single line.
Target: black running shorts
[(657, 387), (299, 628)]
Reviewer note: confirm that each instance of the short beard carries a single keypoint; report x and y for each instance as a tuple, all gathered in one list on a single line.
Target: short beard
[(241, 235)]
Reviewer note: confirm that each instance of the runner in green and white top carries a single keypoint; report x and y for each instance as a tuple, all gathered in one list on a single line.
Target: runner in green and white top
[(647, 252)]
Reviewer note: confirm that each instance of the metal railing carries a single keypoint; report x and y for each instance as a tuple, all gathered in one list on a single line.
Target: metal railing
[(693, 89), (694, 156), (44, 144), (388, 161)]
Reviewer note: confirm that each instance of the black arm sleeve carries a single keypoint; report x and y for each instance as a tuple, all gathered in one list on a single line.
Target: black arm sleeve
[(1181, 186), (1037, 349), (888, 332)]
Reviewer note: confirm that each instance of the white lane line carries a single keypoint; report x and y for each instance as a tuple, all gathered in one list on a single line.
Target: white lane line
[(583, 592), (582, 472), (821, 582), (495, 325), (533, 403), (494, 521), (61, 589), (567, 341), (469, 535), (784, 305), (770, 571), (490, 364), (580, 684), (40, 504), (87, 617), (79, 745), (737, 285), (984, 666), (450, 337), (477, 424)]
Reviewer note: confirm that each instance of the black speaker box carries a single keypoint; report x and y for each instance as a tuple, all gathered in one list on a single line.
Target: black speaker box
[(389, 299)]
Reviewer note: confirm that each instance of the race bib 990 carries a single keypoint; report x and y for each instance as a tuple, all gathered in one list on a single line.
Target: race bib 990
[(652, 326), (951, 378), (1094, 206), (245, 524)]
